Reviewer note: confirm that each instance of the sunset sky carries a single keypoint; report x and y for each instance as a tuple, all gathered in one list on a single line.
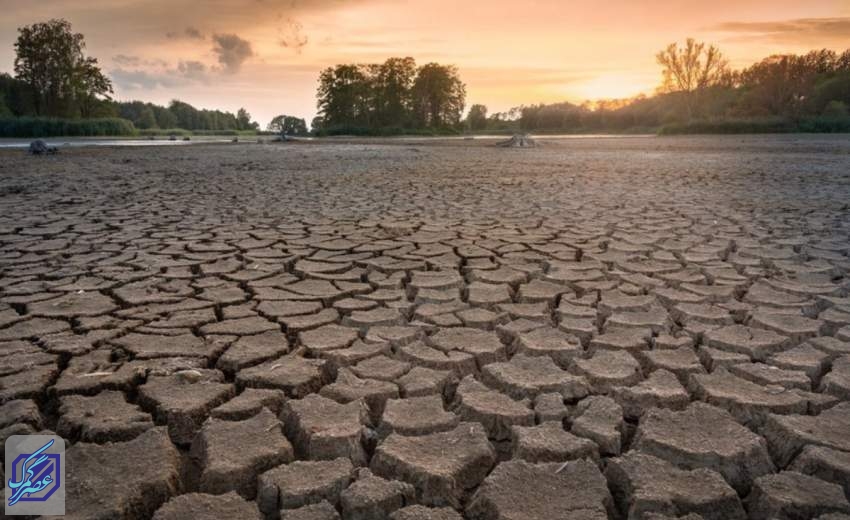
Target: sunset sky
[(266, 55)]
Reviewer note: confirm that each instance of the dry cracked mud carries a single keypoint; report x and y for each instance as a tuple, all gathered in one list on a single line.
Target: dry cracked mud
[(624, 328)]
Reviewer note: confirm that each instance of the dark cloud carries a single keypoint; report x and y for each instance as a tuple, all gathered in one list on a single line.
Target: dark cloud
[(801, 30), (192, 70), (232, 51), (292, 36), (193, 33), (190, 32)]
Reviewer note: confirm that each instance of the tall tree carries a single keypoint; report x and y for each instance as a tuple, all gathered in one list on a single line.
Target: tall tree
[(477, 117), (690, 69), (392, 82), (49, 57), (243, 121), (344, 96), (438, 96)]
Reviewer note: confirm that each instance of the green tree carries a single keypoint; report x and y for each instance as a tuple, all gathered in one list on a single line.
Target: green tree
[(243, 121), (477, 117), (438, 96), (4, 110), (343, 98), (287, 125), (146, 119), (690, 69), (49, 57), (391, 83)]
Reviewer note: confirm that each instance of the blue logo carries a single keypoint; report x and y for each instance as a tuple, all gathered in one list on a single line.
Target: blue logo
[(35, 476)]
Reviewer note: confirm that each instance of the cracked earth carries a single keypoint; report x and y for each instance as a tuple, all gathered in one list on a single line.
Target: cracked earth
[(641, 328)]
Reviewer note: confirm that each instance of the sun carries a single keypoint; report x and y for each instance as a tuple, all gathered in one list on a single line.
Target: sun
[(613, 86)]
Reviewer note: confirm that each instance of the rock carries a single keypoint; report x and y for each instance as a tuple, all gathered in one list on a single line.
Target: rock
[(787, 435), (518, 141), (21, 411), (826, 464), (232, 453), (418, 512), (660, 390), (421, 381), (600, 419), (756, 343), (796, 327), (748, 402), (301, 483), (123, 479), (527, 376), (348, 387), (251, 350), (607, 369), (550, 407), (249, 403), (644, 484), (484, 346), (320, 511), (494, 410), (804, 358), (39, 147), (420, 354), (295, 375), (703, 436), (790, 496), (516, 489), (561, 347), (382, 368), (837, 381), (201, 506), (681, 361), (549, 442), (374, 498), (763, 374), (183, 404), (105, 417), (416, 416), (322, 429), (441, 466)]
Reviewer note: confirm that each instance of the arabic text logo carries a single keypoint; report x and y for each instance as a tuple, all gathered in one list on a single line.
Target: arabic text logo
[(35, 476)]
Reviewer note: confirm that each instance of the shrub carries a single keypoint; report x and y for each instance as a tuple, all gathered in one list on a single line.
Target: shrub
[(54, 127)]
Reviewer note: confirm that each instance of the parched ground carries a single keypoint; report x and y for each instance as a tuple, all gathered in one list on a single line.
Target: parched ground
[(640, 328)]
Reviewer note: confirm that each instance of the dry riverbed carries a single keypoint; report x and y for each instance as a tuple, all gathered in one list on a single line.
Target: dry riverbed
[(615, 328)]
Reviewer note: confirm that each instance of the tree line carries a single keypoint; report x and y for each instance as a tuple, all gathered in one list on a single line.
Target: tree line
[(699, 92), (55, 79), (390, 97)]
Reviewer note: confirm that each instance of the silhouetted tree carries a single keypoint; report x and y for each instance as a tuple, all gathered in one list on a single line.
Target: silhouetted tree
[(243, 121), (49, 57), (438, 96), (391, 83), (343, 96), (477, 117), (690, 69), (287, 125)]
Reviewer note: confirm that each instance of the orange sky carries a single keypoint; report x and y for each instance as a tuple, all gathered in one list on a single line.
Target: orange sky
[(266, 55)]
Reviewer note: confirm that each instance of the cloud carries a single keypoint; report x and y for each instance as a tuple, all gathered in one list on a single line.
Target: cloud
[(800, 30), (190, 32), (141, 79), (192, 70), (148, 75), (124, 60), (232, 51), (292, 36)]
